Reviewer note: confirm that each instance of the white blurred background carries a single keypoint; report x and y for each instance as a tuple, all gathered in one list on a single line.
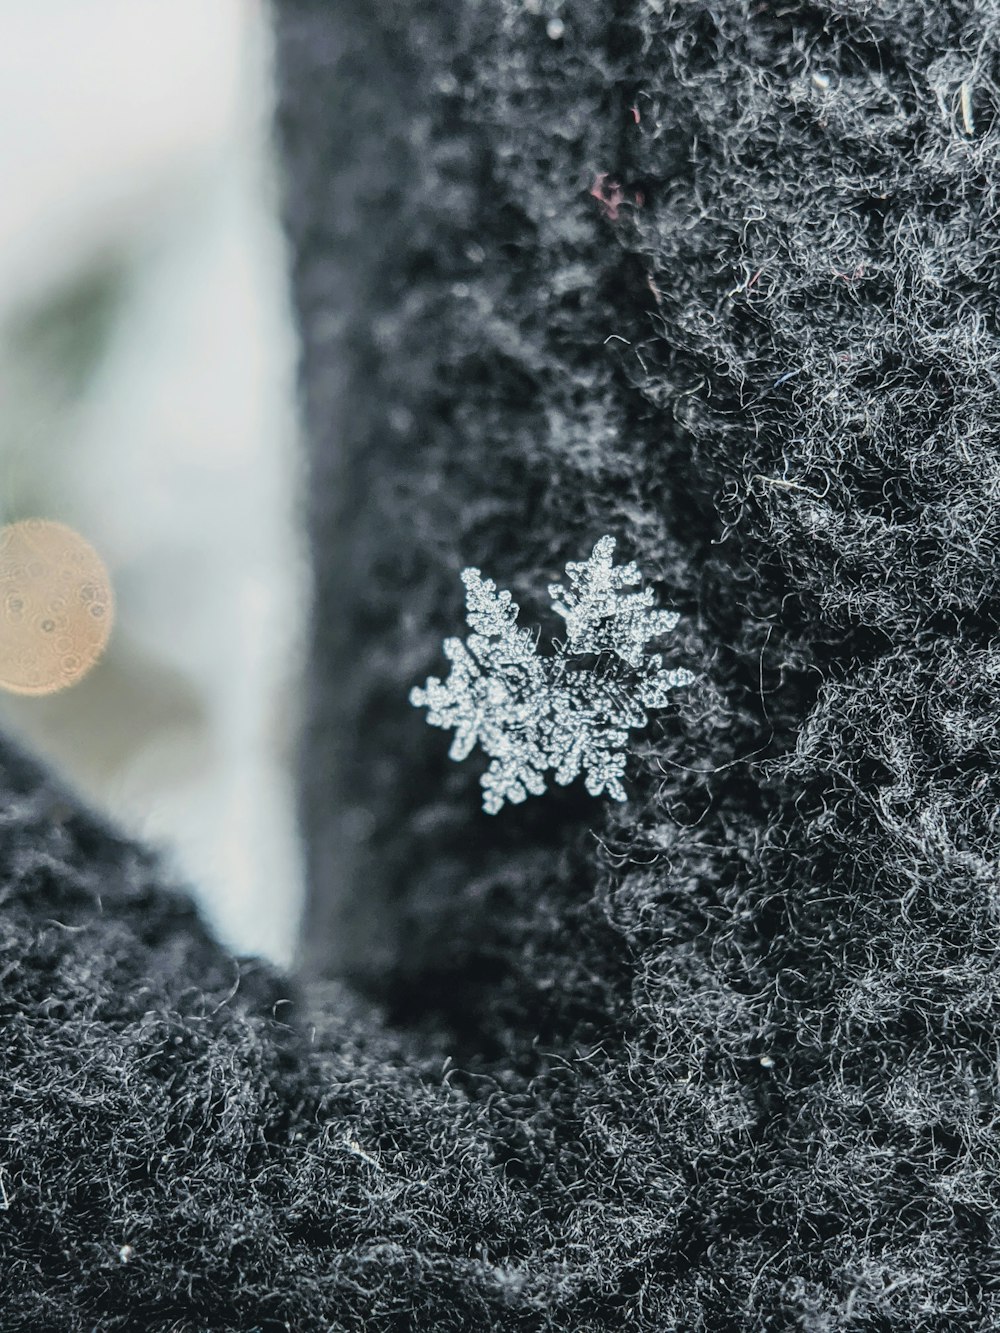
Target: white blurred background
[(146, 398)]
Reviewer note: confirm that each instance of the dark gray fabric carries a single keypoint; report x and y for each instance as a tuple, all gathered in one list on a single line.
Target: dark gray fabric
[(718, 280)]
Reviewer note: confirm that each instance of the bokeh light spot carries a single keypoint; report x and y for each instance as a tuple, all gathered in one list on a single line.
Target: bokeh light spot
[(56, 607)]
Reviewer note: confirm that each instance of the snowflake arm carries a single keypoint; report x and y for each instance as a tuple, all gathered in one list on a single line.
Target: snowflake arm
[(599, 616), (492, 617)]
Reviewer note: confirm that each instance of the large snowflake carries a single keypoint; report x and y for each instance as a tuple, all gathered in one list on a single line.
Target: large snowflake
[(566, 713)]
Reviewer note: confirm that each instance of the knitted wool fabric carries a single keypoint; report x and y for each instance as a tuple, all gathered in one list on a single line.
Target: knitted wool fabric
[(718, 280)]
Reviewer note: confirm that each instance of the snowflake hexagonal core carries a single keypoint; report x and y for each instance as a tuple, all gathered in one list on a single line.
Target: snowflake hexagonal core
[(564, 714)]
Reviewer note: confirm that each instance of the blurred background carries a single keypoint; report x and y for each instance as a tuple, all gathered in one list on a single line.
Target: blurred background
[(147, 395)]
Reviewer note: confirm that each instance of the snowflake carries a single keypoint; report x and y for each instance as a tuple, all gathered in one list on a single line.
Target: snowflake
[(567, 713)]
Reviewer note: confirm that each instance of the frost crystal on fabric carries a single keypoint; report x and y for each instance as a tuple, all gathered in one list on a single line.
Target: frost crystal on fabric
[(567, 713)]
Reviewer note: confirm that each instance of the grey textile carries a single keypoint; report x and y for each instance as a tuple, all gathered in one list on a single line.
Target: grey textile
[(719, 280)]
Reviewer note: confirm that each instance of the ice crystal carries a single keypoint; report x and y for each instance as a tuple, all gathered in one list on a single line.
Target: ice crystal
[(566, 713)]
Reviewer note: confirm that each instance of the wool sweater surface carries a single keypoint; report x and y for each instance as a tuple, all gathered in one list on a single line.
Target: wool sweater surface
[(719, 280)]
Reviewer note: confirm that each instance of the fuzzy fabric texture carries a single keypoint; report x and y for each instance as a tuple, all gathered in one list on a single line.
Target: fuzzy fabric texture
[(720, 280)]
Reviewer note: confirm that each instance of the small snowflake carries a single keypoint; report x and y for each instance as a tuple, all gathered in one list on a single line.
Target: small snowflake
[(565, 714)]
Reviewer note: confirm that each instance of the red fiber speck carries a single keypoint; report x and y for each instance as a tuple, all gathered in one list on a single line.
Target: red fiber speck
[(609, 194)]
